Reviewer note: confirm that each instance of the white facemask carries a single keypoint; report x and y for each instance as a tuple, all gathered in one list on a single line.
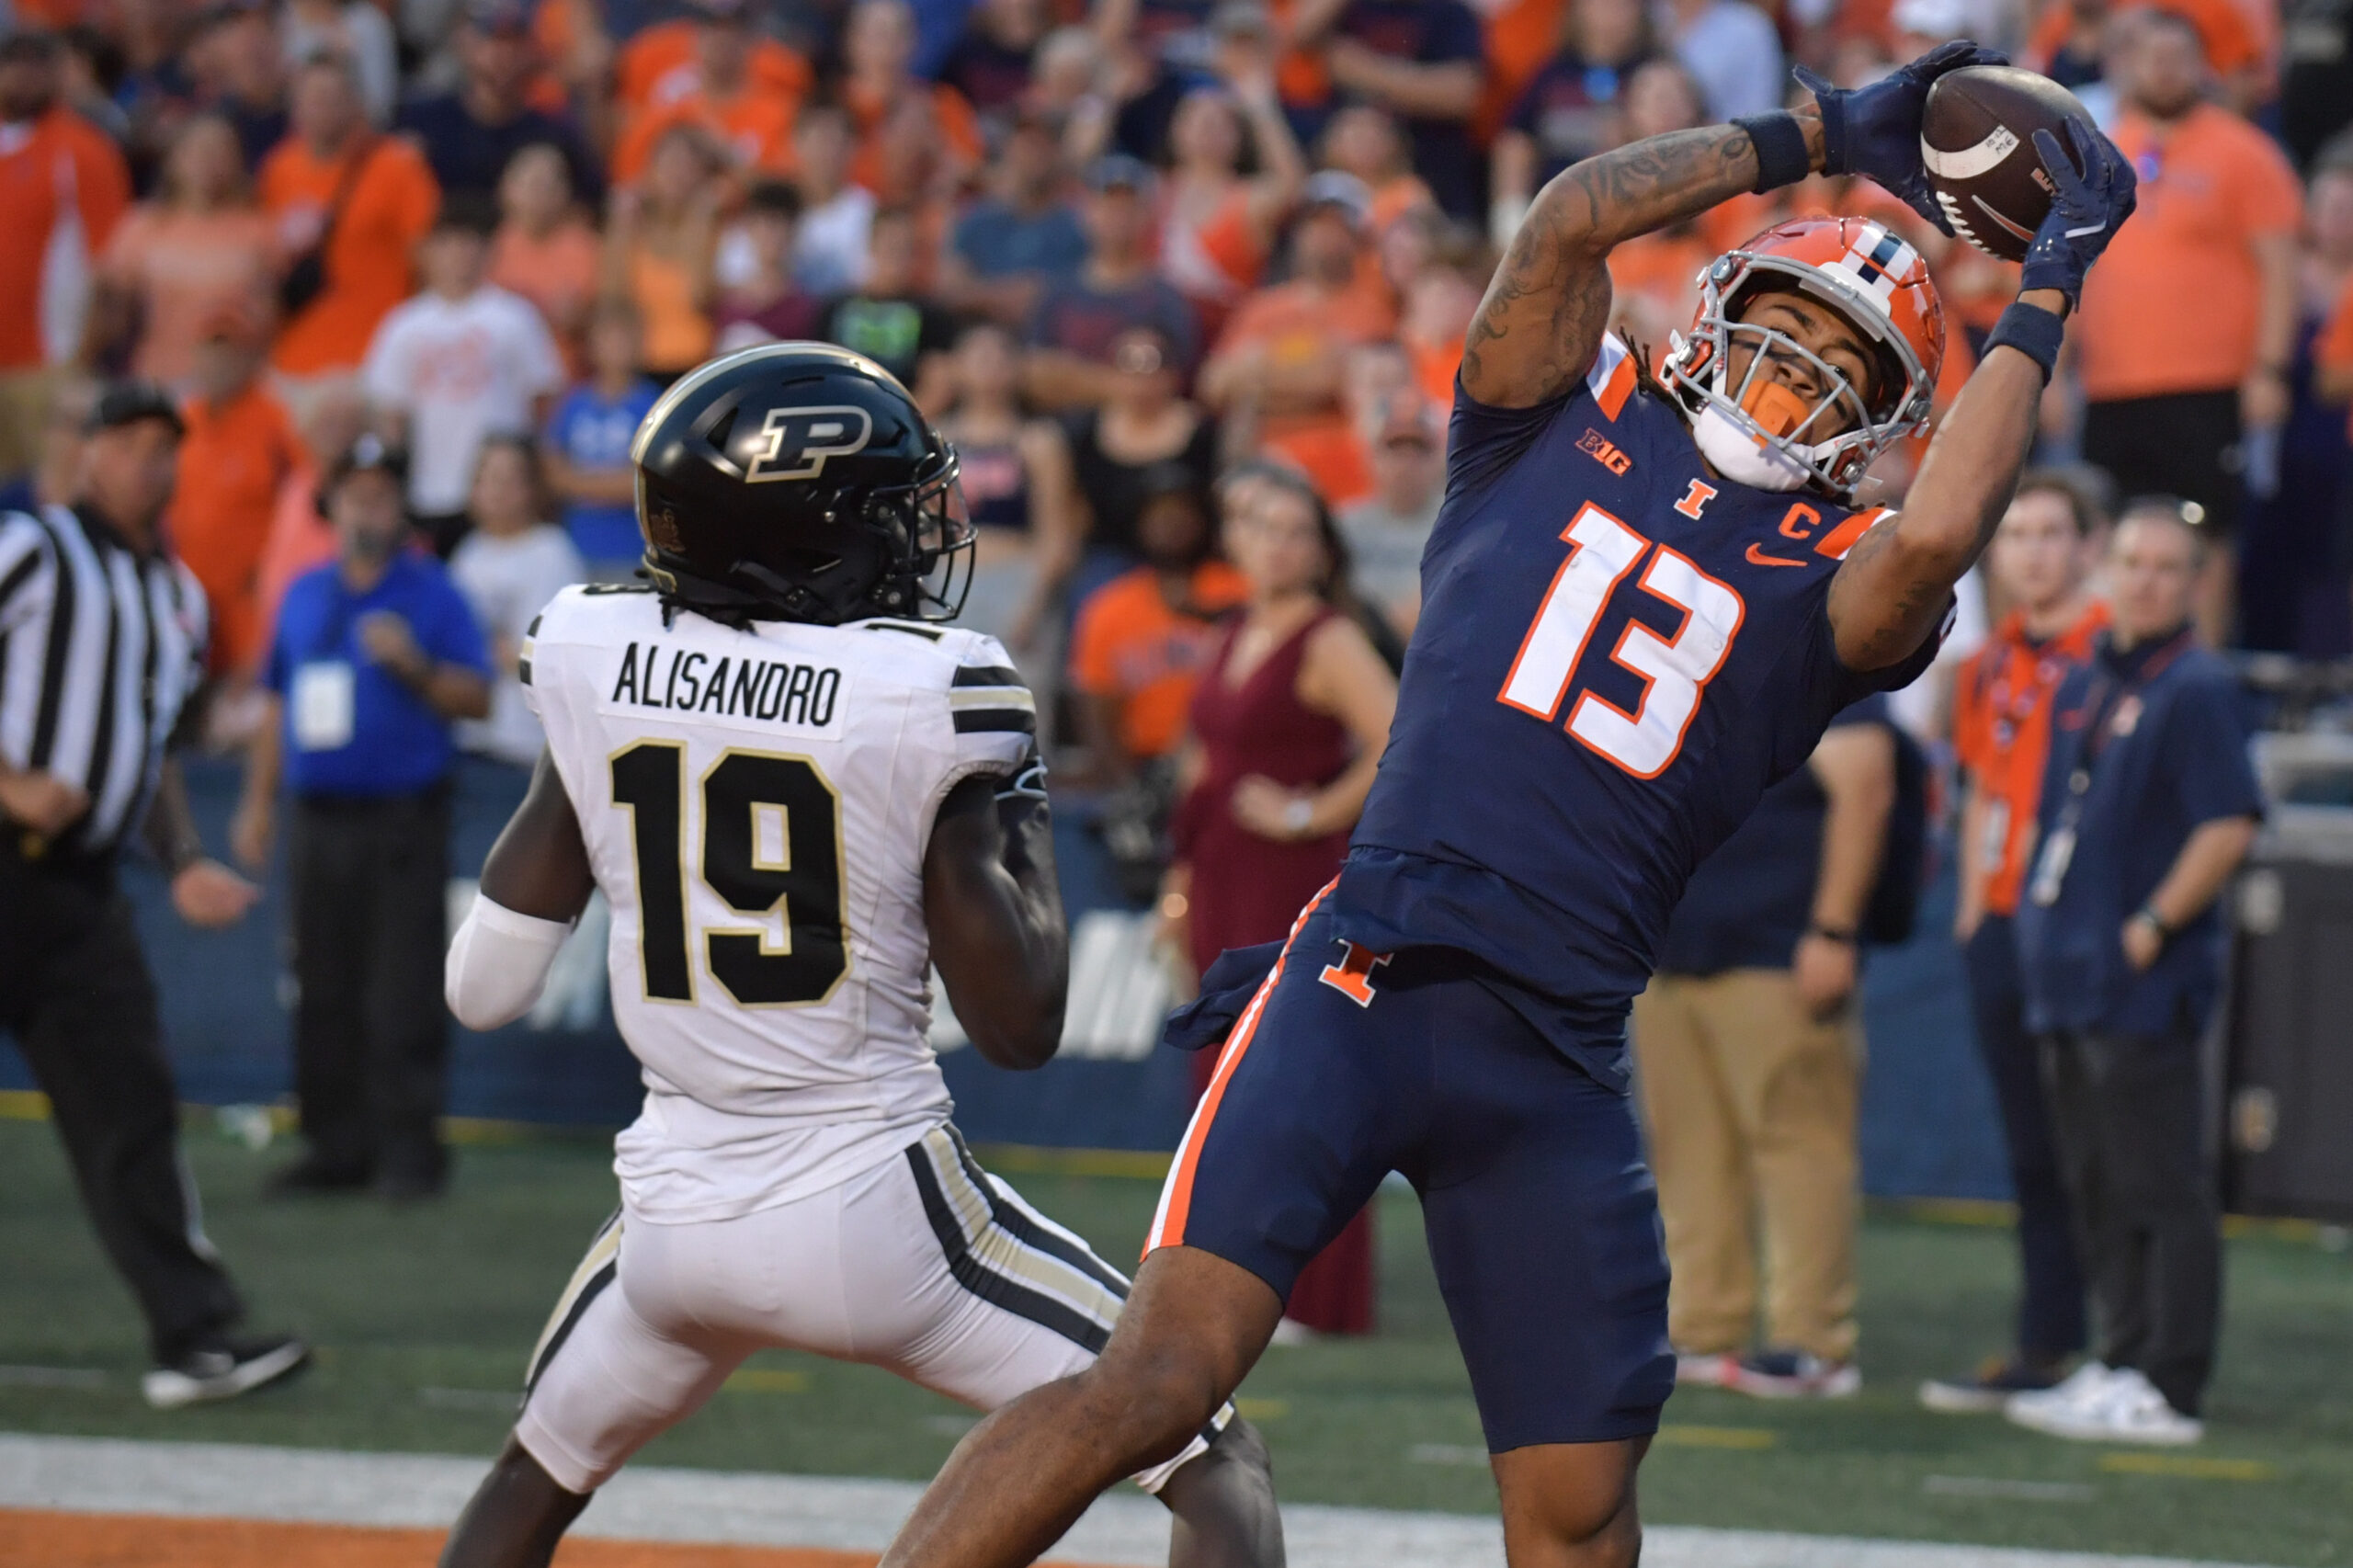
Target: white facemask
[(1732, 445)]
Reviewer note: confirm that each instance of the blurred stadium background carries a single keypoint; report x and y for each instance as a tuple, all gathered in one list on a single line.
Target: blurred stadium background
[(164, 248)]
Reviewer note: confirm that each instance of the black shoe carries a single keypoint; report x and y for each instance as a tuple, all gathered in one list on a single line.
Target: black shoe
[(224, 1368), (1989, 1390), (314, 1174)]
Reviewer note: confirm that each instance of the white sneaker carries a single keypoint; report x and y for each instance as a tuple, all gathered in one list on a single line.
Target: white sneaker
[(2127, 1409), (223, 1370), (2080, 1388)]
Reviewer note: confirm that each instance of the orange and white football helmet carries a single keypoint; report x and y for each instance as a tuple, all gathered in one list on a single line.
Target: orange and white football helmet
[(1759, 432)]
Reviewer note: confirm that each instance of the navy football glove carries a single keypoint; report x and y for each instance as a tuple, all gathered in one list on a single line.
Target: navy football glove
[(1875, 130), (2084, 214)]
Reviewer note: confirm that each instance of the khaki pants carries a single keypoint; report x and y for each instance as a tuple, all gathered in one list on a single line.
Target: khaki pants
[(24, 397), (1750, 1107)]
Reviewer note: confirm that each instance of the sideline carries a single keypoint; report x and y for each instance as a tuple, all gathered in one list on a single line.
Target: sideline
[(115, 1476)]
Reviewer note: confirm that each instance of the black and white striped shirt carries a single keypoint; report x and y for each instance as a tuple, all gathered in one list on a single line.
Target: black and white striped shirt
[(101, 649)]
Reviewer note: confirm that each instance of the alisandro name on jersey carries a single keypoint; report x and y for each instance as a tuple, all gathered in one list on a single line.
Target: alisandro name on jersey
[(690, 681)]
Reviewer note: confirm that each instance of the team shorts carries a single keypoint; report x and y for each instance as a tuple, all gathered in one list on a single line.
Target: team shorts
[(1542, 1216), (926, 1265)]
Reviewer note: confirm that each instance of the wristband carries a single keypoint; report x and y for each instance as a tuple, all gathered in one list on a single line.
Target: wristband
[(2034, 332), (1781, 158), (2148, 917), (1831, 934)]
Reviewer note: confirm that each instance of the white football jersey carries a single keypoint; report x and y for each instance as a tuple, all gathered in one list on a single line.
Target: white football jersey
[(756, 805)]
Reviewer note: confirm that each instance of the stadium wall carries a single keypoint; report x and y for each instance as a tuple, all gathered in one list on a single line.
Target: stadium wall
[(1929, 1125)]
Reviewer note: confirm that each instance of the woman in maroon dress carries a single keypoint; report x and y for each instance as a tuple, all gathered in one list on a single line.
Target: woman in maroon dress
[(1288, 724)]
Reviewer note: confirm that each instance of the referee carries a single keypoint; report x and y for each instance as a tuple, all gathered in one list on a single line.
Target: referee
[(102, 639)]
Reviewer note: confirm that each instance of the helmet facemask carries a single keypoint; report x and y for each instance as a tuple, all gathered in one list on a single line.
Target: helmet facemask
[(1787, 431), (932, 571)]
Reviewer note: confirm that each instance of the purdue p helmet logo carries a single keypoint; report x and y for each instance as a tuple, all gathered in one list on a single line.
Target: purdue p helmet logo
[(795, 442)]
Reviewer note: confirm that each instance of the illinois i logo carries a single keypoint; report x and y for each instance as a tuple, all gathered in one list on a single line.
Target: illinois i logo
[(795, 442)]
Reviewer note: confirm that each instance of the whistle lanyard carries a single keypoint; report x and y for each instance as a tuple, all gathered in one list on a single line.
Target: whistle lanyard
[(2104, 708)]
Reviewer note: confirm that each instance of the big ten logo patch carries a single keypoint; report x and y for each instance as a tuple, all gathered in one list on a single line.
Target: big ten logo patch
[(1603, 451), (795, 442)]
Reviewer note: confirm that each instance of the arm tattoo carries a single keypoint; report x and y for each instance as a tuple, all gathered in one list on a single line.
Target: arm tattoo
[(1542, 318)]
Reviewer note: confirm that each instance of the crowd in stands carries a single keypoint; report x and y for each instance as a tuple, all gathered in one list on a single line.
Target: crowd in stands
[(1186, 283)]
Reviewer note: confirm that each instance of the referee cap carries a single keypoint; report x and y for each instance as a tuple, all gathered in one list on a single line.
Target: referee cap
[(127, 403)]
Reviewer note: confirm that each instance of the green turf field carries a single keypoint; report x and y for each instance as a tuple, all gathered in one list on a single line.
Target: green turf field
[(425, 1317)]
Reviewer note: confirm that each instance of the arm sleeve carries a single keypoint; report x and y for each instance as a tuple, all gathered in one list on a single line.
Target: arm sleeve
[(498, 964)]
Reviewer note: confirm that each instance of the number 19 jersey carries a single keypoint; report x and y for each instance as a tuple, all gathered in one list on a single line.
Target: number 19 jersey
[(757, 805), (1618, 652)]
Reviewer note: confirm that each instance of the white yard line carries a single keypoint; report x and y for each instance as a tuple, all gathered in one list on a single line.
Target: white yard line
[(108, 1476)]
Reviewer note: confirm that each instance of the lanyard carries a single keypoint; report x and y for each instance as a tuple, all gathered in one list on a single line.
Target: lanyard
[(2105, 706), (2104, 711)]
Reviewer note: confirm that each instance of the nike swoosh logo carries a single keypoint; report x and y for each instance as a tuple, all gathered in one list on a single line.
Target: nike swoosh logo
[(1756, 557)]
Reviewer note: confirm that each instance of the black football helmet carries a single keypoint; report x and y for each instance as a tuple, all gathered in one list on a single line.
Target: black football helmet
[(800, 482)]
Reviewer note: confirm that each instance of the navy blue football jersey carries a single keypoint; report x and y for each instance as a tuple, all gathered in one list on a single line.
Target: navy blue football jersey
[(1616, 654)]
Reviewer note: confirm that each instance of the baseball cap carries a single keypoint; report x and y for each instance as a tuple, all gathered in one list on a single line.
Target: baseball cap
[(370, 453), (1117, 171), (127, 403), (507, 18), (1337, 188)]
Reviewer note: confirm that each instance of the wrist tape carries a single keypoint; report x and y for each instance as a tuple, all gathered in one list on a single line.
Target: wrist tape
[(1781, 158), (2034, 332)]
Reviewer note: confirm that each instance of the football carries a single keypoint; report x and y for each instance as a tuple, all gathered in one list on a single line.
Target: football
[(1977, 142)]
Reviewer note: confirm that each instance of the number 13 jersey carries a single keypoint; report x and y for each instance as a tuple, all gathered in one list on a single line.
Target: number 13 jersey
[(756, 805), (1618, 651)]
